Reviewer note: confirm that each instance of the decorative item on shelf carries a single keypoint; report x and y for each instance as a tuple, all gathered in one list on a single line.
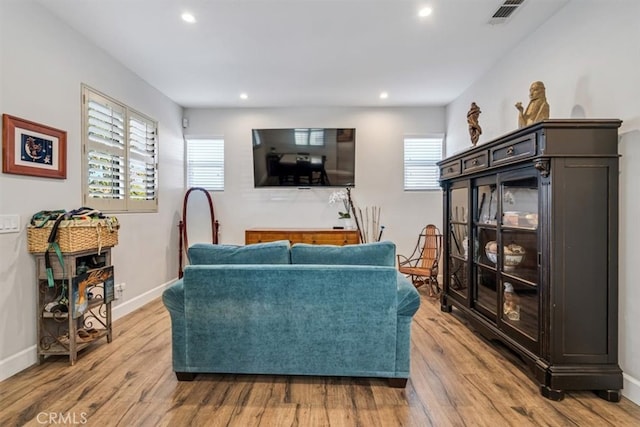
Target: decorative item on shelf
[(520, 219), (474, 127), (82, 283), (71, 231), (511, 218), (341, 196), (532, 219), (513, 254), (491, 250), (538, 108), (511, 304), (368, 226)]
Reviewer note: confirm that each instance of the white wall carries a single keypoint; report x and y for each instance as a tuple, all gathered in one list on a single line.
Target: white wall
[(42, 63), (588, 56), (379, 171)]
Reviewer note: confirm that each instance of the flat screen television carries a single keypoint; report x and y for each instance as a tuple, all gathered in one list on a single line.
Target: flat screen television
[(304, 157)]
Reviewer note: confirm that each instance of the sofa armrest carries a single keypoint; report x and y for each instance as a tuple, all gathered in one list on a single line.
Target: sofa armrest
[(408, 297), (173, 299)]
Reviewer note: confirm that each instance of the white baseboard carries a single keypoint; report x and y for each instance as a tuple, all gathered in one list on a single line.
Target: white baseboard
[(123, 308), (29, 356), (18, 362), (631, 388)]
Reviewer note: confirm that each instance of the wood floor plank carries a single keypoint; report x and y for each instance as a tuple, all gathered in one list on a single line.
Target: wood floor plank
[(457, 379)]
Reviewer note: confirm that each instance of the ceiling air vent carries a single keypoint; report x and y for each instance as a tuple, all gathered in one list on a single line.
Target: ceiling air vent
[(505, 11)]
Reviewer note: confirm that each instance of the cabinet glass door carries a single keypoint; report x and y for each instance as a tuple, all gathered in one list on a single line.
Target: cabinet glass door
[(485, 293), (458, 240), (518, 258)]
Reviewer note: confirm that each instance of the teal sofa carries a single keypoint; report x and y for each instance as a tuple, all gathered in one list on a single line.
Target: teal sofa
[(303, 310)]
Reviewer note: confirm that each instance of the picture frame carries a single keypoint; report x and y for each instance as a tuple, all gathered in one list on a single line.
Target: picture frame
[(33, 149), (345, 135)]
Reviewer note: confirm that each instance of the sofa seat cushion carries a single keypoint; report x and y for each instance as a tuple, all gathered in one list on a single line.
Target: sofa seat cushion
[(259, 253), (378, 253)]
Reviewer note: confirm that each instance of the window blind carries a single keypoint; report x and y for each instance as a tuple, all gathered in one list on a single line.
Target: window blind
[(420, 157), (205, 163), (309, 137), (120, 164)]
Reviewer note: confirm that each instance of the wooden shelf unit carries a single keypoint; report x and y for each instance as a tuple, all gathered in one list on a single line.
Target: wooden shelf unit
[(58, 329)]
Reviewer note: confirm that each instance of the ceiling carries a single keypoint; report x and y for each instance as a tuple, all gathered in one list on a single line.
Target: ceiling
[(288, 53)]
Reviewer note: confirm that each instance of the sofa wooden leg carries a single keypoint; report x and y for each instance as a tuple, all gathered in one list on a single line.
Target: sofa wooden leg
[(185, 376), (398, 382)]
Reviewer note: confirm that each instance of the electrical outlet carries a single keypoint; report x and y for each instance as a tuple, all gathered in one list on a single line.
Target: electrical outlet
[(119, 289)]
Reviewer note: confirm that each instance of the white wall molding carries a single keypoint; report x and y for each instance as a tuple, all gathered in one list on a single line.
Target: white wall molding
[(631, 388)]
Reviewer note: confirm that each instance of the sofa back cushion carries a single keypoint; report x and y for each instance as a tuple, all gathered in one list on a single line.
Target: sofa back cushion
[(260, 253), (378, 253)]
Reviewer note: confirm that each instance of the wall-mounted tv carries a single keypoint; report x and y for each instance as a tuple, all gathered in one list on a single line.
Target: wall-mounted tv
[(304, 157)]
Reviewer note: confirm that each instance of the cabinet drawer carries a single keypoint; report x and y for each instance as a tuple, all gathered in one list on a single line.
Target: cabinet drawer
[(450, 169), (332, 238), (514, 150), (475, 161)]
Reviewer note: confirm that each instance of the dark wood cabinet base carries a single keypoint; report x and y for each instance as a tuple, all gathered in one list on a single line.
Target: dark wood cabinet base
[(610, 395)]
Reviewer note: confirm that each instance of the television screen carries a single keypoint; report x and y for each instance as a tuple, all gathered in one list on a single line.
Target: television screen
[(304, 157)]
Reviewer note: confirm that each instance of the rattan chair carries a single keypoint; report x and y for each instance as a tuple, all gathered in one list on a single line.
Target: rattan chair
[(422, 265)]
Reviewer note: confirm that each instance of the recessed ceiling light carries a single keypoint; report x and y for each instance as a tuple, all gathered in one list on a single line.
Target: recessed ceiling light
[(244, 96), (384, 95), (425, 11), (187, 17)]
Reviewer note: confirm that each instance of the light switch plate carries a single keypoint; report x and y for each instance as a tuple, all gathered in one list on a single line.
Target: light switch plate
[(9, 223)]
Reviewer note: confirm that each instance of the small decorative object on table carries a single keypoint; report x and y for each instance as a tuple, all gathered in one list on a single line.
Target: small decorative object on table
[(538, 108), (341, 197), (474, 127)]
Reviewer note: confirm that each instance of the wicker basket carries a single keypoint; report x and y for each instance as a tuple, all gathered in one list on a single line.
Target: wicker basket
[(75, 235)]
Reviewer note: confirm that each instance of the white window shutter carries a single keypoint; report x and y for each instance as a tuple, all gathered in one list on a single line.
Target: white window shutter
[(420, 157), (120, 165), (143, 162), (205, 163), (105, 161)]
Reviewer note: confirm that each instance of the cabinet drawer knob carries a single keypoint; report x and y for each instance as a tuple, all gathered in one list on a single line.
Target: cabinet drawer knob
[(511, 151), (475, 162), (450, 169)]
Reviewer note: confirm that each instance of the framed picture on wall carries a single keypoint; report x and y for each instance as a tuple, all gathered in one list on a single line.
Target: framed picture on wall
[(345, 135), (29, 148)]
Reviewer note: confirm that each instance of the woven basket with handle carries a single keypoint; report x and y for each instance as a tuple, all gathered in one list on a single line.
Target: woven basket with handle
[(75, 234)]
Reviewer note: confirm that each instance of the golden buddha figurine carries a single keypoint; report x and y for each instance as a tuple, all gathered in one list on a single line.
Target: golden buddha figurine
[(538, 108)]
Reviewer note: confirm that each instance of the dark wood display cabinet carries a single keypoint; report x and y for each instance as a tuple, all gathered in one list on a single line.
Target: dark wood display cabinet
[(531, 249)]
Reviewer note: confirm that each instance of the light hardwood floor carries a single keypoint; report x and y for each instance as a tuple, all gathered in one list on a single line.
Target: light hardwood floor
[(457, 379)]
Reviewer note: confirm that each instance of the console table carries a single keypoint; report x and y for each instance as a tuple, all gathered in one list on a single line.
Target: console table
[(316, 236)]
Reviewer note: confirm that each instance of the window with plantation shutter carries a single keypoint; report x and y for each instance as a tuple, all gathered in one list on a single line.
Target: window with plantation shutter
[(420, 157), (205, 163), (309, 137), (120, 163)]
